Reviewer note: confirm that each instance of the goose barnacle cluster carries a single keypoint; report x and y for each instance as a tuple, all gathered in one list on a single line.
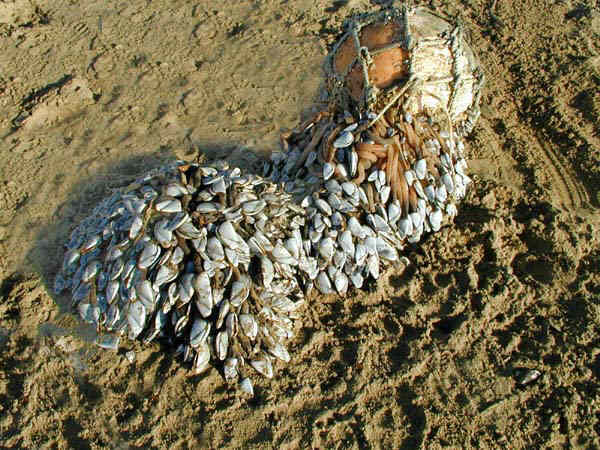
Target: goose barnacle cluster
[(204, 255), (222, 262)]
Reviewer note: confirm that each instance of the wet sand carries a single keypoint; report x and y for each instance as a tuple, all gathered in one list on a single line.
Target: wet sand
[(92, 96)]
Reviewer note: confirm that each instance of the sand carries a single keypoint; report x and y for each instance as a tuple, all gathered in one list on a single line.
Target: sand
[(93, 95)]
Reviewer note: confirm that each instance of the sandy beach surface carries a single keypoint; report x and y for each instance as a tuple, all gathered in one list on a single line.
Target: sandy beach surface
[(95, 93)]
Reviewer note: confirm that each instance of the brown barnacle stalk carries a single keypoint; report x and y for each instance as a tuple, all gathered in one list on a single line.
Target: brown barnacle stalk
[(371, 152), (390, 154), (328, 148), (301, 131), (319, 131)]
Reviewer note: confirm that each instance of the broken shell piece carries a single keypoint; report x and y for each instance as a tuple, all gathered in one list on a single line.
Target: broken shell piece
[(526, 376), (108, 341), (246, 387)]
